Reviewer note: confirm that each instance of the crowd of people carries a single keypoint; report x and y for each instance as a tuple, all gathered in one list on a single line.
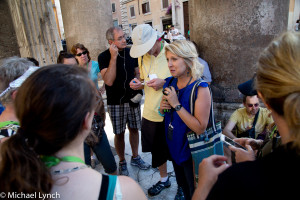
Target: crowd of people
[(52, 124)]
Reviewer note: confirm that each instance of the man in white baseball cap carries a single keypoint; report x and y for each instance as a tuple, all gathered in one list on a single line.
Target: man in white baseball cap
[(149, 48)]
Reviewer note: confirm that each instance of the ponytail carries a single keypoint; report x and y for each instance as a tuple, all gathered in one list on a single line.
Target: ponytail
[(21, 170)]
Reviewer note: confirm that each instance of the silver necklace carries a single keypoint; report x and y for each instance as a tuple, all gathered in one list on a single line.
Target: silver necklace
[(66, 171), (148, 72)]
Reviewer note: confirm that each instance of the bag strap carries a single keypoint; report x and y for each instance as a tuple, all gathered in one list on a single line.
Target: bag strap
[(193, 99), (104, 187), (255, 119), (171, 81)]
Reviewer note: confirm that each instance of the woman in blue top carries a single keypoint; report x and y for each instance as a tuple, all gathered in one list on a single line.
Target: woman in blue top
[(101, 147), (82, 55), (185, 70)]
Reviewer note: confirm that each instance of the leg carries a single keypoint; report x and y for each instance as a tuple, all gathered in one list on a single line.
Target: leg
[(134, 141), (134, 124), (185, 177), (163, 170), (104, 154), (179, 175), (120, 146), (154, 141), (116, 113), (133, 115), (118, 119), (189, 178)]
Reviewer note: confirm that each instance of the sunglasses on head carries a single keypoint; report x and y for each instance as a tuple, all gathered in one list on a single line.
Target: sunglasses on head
[(251, 105), (83, 53)]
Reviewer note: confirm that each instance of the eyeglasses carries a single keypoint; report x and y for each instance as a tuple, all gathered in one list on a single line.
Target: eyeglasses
[(83, 53), (121, 38), (251, 105)]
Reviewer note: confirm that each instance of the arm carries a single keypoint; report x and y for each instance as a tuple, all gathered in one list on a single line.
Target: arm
[(130, 189), (136, 83), (209, 170), (137, 72), (228, 128), (109, 74), (156, 83), (198, 122), (241, 155)]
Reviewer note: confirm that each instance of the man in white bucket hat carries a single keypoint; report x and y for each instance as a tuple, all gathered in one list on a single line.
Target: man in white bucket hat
[(149, 49)]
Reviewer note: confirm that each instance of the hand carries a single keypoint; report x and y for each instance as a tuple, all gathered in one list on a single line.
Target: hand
[(102, 90), (209, 170), (255, 144), (164, 105), (135, 84), (156, 83), (113, 49), (241, 155), (3, 139), (171, 96)]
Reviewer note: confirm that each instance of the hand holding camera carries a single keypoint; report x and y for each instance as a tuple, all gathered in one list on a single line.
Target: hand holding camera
[(170, 96)]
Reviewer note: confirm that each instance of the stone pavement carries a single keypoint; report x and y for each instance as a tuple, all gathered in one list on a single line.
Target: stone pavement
[(145, 178)]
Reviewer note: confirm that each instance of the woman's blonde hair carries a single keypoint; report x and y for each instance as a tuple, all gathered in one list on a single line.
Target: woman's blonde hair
[(188, 52), (278, 79)]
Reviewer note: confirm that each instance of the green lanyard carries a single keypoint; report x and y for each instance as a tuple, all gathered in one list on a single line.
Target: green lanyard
[(161, 46), (51, 161), (3, 124)]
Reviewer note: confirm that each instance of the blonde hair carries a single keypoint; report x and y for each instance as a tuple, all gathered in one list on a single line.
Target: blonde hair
[(278, 79), (188, 52)]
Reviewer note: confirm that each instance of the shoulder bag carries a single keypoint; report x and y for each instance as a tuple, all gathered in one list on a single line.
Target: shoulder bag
[(209, 142)]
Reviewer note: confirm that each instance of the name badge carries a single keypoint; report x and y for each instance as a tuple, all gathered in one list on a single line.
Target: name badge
[(152, 76)]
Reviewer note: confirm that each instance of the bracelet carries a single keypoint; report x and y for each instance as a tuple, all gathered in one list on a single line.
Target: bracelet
[(160, 112)]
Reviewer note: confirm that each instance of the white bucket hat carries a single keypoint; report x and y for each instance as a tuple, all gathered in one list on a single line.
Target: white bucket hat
[(143, 39)]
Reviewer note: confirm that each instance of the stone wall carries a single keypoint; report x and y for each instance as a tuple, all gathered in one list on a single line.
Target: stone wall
[(8, 40), (86, 22), (230, 36)]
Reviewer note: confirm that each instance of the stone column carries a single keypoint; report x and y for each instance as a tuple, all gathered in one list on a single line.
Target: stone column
[(36, 30), (124, 22), (86, 22), (8, 39), (231, 35)]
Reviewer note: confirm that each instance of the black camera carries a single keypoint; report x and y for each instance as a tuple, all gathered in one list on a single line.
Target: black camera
[(165, 92)]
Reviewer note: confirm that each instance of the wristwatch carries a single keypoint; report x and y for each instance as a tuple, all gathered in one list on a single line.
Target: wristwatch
[(178, 107)]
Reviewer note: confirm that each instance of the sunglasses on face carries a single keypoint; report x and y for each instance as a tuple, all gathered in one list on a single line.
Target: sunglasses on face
[(83, 53), (251, 105)]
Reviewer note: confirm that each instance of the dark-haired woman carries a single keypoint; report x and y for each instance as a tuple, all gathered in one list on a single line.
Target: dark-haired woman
[(99, 145), (45, 156)]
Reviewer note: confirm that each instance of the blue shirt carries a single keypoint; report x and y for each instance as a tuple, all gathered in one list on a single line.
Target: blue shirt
[(179, 146), (94, 73), (206, 73), (1, 108)]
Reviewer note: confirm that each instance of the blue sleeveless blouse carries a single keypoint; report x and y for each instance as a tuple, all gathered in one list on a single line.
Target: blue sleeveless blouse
[(179, 146)]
